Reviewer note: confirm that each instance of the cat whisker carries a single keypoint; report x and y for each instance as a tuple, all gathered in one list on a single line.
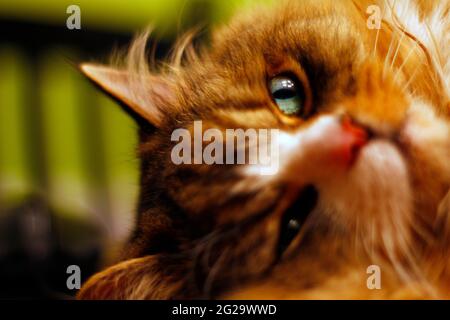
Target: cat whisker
[(397, 74), (435, 59), (378, 34), (376, 42), (214, 271), (410, 80), (388, 54), (437, 55), (387, 57), (397, 50), (206, 258)]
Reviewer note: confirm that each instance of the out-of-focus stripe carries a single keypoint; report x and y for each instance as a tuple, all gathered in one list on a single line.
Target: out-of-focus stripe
[(121, 165), (222, 10), (15, 179), (60, 101), (112, 15)]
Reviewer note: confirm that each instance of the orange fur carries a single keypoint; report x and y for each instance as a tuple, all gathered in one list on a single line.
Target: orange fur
[(213, 231)]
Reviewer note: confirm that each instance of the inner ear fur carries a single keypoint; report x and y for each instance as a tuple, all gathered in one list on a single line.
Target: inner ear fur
[(141, 95)]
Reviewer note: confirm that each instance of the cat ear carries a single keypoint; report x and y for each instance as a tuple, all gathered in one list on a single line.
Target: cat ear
[(144, 95)]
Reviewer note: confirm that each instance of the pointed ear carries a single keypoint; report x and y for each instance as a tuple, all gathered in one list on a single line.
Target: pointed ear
[(144, 95)]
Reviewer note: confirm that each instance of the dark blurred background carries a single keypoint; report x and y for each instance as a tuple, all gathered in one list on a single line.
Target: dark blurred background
[(68, 172)]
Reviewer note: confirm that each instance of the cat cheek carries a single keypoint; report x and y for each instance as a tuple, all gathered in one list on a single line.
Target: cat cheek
[(428, 139)]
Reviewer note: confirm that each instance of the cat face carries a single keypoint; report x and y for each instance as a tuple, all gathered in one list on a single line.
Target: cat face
[(364, 159)]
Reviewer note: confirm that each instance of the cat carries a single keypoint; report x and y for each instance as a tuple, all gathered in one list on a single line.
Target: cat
[(363, 183)]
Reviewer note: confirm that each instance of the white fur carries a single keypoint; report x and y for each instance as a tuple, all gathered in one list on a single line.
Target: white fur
[(433, 31)]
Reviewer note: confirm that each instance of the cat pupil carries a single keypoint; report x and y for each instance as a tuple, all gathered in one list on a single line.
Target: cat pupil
[(287, 94), (284, 94)]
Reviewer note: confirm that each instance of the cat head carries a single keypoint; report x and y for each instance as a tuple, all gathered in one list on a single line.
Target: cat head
[(363, 156)]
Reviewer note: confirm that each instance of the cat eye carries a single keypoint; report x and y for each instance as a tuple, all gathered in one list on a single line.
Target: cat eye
[(295, 217), (287, 94)]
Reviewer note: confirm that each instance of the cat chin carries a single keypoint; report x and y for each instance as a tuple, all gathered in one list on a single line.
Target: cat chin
[(373, 199)]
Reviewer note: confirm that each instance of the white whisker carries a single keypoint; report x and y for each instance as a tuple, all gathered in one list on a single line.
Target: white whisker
[(413, 48), (406, 86), (397, 50), (388, 54)]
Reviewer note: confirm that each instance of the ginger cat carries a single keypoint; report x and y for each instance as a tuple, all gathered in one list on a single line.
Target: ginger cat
[(364, 173)]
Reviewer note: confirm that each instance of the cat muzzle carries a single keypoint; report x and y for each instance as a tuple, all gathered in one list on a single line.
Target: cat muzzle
[(329, 146)]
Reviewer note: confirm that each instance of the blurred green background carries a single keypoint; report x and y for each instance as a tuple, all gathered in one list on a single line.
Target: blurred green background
[(68, 172)]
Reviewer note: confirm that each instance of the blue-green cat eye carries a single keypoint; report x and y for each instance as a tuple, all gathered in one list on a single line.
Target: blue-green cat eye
[(287, 95)]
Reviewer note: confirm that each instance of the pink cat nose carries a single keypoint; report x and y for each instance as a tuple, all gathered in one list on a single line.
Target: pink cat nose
[(329, 146), (351, 139)]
